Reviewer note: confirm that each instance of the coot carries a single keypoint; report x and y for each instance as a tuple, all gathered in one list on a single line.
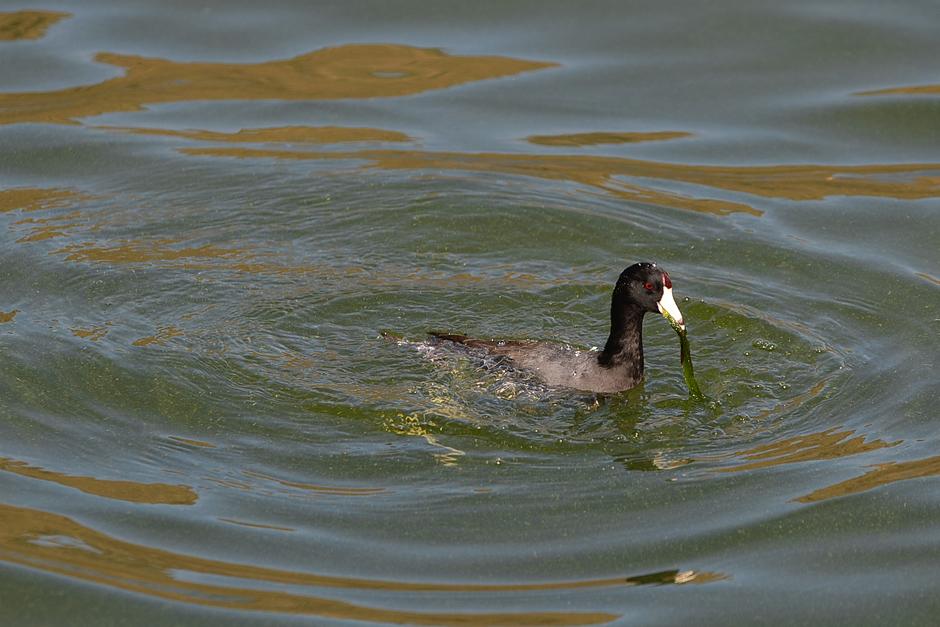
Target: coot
[(641, 288)]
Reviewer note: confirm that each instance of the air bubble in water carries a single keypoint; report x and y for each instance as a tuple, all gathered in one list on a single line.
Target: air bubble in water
[(764, 345)]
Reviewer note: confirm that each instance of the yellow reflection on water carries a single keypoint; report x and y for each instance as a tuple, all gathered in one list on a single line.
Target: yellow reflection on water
[(617, 175), (30, 200), (598, 172), (131, 491), (828, 444), (245, 523), (350, 71), (280, 134), (928, 277), (39, 229), (95, 333), (28, 24), (7, 316), (594, 139), (881, 474), (47, 228), (35, 199), (318, 488), (191, 442), (912, 90), (144, 251), (56, 544), (161, 337)]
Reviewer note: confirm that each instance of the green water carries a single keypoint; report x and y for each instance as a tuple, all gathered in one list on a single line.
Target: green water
[(209, 215)]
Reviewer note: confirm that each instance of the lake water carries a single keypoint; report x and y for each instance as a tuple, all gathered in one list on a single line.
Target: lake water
[(210, 213)]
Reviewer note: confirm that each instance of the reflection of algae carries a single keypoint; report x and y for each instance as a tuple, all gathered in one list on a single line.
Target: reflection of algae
[(94, 334), (56, 544), (7, 316), (141, 252), (129, 251), (320, 489), (350, 71), (244, 523), (913, 90), (881, 474), (161, 337), (40, 199), (281, 134), (928, 277), (404, 278), (790, 404), (191, 442), (228, 483), (828, 444), (148, 559), (28, 24), (599, 172), (47, 228), (594, 139), (792, 182), (131, 491), (35, 199)]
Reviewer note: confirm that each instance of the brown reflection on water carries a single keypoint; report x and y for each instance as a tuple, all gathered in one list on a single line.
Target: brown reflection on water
[(595, 139), (35, 199), (390, 276), (598, 172), (131, 491), (912, 90), (41, 229), (59, 545), (163, 573), (881, 474), (828, 444), (280, 134), (244, 523), (792, 403), (28, 24), (7, 316), (160, 338), (350, 71), (143, 251), (320, 489), (95, 333), (793, 182), (928, 277), (191, 442), (29, 200)]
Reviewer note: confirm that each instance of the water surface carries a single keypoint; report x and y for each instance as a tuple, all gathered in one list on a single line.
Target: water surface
[(210, 215)]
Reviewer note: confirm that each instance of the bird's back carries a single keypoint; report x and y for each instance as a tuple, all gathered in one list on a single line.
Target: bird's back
[(556, 364)]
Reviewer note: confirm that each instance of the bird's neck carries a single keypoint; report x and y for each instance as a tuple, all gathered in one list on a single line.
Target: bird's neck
[(624, 348)]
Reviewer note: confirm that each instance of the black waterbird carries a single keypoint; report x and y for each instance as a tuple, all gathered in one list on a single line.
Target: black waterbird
[(641, 288)]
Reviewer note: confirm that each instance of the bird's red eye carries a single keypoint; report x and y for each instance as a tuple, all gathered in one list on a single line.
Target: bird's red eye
[(648, 286)]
